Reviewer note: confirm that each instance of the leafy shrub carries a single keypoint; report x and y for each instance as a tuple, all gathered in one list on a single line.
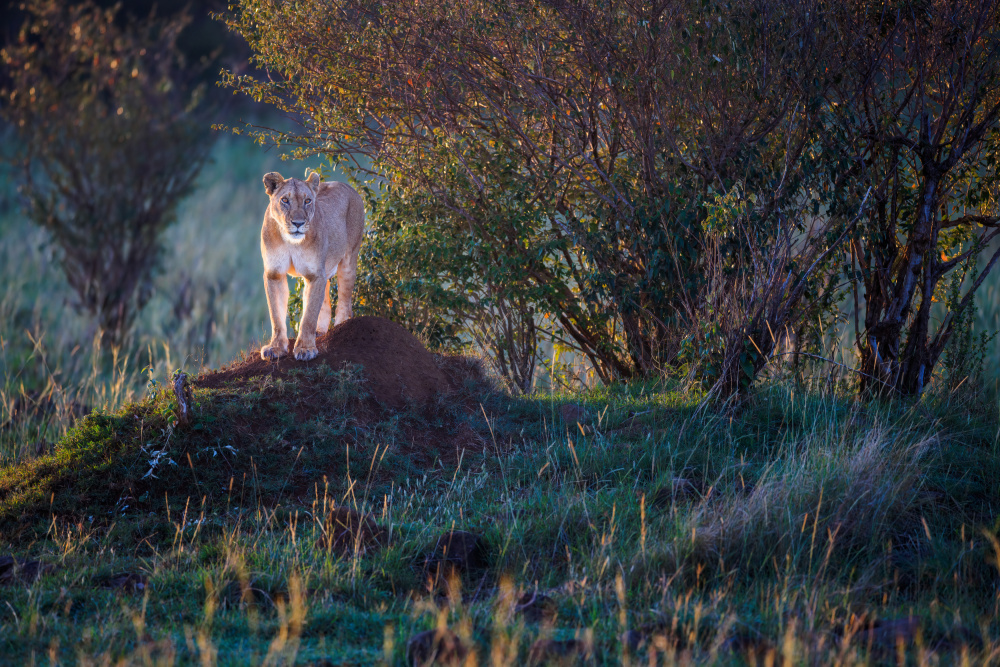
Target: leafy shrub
[(699, 199), (113, 138)]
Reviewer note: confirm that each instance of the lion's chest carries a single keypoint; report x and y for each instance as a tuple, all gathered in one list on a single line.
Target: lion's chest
[(308, 263)]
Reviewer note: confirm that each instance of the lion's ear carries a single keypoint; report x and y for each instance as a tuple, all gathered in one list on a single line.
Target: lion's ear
[(271, 182), (313, 180)]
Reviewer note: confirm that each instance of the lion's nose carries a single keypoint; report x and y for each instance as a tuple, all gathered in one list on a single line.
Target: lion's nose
[(298, 223)]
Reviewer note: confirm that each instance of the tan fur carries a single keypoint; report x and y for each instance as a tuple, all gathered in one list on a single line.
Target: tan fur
[(332, 223)]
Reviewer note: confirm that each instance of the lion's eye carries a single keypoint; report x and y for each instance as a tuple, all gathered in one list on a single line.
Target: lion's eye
[(309, 201), (284, 199)]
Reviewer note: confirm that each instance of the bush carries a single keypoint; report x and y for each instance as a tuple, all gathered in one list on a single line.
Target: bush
[(699, 199), (576, 194), (113, 137)]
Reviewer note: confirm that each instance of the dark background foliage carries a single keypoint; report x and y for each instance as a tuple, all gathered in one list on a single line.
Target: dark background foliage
[(684, 187), (681, 185)]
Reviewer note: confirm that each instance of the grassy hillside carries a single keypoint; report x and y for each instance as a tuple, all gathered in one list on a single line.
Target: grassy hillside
[(297, 520)]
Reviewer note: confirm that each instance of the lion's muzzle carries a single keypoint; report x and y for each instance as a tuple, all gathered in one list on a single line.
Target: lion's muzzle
[(297, 229)]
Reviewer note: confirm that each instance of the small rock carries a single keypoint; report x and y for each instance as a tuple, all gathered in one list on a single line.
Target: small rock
[(885, 634), (558, 652), (14, 570), (126, 581), (346, 531), (536, 607), (679, 488), (458, 549), (251, 593), (435, 647)]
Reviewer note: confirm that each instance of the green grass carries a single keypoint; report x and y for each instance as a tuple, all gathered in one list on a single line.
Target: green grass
[(800, 526), (795, 525)]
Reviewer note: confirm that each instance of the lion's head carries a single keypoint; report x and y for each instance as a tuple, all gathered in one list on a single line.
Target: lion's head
[(293, 203)]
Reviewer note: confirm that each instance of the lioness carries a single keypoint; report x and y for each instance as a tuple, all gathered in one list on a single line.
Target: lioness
[(311, 229)]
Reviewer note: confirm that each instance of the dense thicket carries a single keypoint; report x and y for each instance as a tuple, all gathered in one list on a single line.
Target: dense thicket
[(683, 183)]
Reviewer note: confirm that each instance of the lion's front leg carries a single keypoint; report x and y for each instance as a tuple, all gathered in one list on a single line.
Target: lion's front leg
[(325, 313), (312, 297), (276, 286), (347, 272)]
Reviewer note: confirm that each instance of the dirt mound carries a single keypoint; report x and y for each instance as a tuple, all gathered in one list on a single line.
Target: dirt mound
[(397, 366)]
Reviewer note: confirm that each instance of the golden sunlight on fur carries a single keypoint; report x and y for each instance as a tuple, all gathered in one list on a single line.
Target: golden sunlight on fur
[(313, 230)]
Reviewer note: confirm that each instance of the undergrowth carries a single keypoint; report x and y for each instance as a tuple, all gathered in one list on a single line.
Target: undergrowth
[(629, 524)]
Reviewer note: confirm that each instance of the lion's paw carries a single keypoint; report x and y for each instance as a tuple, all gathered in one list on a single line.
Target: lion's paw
[(306, 353), (274, 351)]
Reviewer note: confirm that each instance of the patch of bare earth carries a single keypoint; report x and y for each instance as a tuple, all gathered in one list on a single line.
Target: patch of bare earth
[(396, 365), (439, 395)]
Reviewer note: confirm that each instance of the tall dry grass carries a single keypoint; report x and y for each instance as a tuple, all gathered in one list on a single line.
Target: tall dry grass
[(827, 495)]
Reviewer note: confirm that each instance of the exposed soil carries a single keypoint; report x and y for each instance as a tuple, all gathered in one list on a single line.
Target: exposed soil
[(399, 374), (17, 570), (397, 366)]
